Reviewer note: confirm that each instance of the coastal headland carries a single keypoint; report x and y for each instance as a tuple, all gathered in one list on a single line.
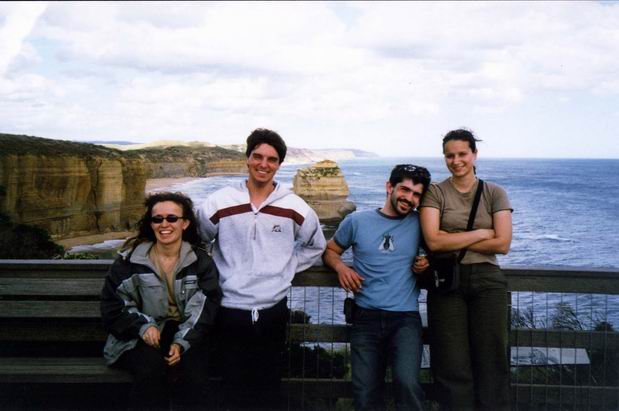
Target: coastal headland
[(83, 193), (78, 189)]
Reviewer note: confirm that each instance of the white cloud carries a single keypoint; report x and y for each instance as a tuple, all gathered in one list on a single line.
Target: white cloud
[(326, 74), (278, 38), (18, 19)]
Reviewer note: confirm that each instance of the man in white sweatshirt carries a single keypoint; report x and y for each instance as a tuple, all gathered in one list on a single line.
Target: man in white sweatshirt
[(263, 234)]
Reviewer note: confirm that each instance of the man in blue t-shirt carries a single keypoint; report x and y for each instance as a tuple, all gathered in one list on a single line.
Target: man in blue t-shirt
[(386, 321)]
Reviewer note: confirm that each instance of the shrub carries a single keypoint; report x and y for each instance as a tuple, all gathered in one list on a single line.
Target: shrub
[(603, 369), (80, 256), (21, 241)]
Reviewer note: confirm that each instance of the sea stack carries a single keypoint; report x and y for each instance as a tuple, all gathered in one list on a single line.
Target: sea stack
[(324, 188)]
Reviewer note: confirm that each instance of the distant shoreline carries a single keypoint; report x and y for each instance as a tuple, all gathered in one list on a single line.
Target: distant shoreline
[(161, 184)]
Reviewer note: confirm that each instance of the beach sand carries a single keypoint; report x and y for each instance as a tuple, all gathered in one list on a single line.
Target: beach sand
[(153, 185), (162, 184), (94, 238)]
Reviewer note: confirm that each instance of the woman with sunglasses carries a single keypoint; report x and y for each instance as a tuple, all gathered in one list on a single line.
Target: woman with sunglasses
[(468, 326), (159, 303)]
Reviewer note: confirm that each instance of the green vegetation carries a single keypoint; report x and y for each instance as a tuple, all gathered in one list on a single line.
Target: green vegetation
[(80, 256), (318, 172), (22, 145), (313, 362), (21, 241), (603, 369), (198, 152), (303, 361)]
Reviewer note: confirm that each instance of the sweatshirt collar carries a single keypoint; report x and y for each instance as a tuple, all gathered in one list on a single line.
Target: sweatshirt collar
[(279, 192)]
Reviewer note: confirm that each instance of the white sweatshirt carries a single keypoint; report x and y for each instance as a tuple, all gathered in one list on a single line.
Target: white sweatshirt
[(258, 251)]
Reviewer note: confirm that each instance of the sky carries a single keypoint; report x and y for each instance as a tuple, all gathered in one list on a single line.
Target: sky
[(538, 79)]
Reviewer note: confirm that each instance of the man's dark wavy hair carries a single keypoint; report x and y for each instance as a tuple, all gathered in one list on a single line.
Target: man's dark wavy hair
[(266, 136), (145, 231), (418, 174)]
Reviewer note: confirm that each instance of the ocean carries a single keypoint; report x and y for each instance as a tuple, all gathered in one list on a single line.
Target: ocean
[(566, 213)]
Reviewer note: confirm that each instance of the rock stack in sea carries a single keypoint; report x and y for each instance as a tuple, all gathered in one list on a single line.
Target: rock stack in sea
[(324, 188)]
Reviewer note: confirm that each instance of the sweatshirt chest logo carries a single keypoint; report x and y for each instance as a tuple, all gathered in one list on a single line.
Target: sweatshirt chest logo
[(276, 229), (386, 244)]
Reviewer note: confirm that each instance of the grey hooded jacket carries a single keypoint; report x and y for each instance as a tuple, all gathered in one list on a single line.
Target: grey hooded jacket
[(135, 297)]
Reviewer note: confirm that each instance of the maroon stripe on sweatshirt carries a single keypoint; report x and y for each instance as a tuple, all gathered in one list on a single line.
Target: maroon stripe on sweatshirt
[(229, 211), (284, 212)]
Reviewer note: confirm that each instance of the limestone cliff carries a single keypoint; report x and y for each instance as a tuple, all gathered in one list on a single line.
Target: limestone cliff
[(72, 189), (324, 188), (69, 188), (190, 161)]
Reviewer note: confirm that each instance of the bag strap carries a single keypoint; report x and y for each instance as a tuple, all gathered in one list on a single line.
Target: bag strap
[(469, 226)]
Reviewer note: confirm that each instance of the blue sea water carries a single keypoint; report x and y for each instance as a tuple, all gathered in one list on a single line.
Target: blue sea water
[(566, 213)]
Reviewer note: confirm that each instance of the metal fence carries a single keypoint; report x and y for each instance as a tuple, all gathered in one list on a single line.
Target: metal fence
[(564, 339), (564, 333)]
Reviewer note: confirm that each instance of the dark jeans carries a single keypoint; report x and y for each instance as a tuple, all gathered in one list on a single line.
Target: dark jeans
[(469, 341), (377, 338), (150, 390), (251, 355)]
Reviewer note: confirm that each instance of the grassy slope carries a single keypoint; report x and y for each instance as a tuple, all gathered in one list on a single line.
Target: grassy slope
[(21, 145)]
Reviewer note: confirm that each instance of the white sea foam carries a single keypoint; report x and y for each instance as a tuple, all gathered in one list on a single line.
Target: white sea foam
[(106, 245), (549, 237)]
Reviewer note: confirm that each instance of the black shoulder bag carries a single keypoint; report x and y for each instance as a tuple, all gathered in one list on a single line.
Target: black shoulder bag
[(443, 275)]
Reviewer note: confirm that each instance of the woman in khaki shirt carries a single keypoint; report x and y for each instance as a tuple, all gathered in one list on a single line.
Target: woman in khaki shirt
[(469, 326)]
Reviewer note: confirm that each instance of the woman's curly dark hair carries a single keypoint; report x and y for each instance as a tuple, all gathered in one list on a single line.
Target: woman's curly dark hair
[(145, 231)]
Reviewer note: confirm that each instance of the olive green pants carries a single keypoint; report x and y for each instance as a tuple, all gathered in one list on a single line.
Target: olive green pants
[(469, 341)]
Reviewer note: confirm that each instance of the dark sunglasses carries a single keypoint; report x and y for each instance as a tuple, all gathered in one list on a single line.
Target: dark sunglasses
[(417, 171), (157, 219)]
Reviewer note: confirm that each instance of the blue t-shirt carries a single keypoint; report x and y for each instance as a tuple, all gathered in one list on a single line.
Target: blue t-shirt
[(384, 250)]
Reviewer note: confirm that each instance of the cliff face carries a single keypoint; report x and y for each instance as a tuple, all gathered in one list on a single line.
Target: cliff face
[(183, 161), (72, 195), (73, 189), (324, 188)]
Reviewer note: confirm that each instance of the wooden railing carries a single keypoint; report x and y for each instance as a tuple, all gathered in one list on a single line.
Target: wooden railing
[(28, 286)]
